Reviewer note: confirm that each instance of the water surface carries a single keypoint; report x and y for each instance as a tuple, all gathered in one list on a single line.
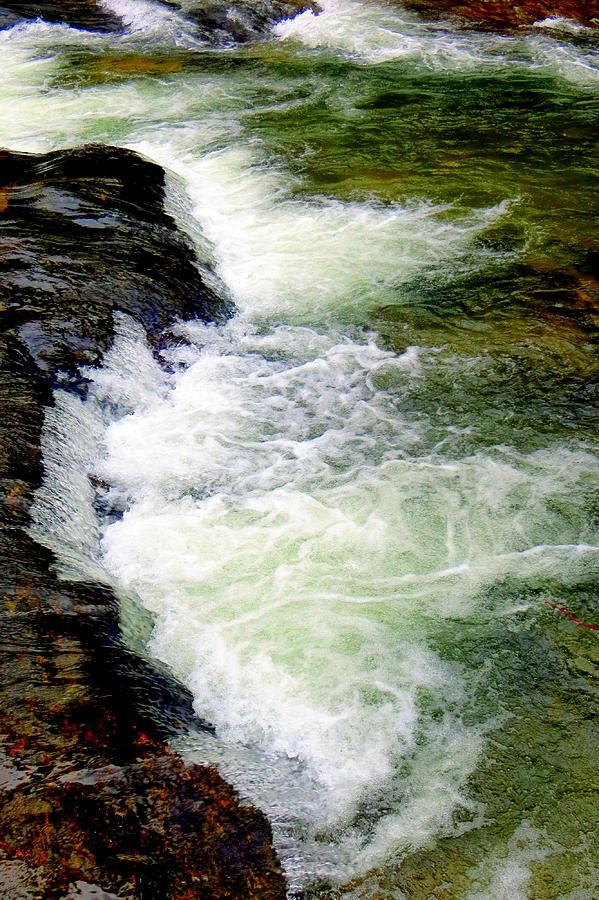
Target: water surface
[(338, 516)]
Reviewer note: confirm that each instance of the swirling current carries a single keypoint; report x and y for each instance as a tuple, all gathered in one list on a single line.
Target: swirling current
[(338, 516)]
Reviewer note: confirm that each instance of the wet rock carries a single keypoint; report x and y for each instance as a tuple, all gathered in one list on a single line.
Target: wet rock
[(84, 891), (91, 798), (240, 20), (154, 829), (216, 21), (90, 216), (84, 14), (500, 12)]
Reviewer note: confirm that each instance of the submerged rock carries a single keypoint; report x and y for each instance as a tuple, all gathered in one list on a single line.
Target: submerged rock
[(94, 804)]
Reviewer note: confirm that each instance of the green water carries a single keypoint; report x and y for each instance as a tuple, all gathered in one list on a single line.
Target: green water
[(389, 465)]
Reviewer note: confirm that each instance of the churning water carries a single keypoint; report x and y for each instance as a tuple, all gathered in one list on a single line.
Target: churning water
[(345, 508)]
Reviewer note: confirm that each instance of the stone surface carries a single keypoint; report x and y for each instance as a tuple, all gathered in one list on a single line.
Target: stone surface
[(219, 21), (90, 217), (84, 14), (240, 20), (150, 829), (90, 795), (500, 12)]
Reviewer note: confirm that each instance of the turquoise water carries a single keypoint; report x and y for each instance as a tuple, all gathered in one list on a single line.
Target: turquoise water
[(338, 517)]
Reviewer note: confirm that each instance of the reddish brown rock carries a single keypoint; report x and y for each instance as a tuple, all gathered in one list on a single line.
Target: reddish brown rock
[(500, 12), (150, 829)]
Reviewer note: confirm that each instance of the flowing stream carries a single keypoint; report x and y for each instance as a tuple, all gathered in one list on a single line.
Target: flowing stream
[(337, 517)]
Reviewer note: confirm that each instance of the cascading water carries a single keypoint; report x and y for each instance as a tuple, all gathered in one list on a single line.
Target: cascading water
[(344, 508)]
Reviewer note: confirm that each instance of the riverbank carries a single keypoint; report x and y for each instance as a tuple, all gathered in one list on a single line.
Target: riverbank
[(91, 794)]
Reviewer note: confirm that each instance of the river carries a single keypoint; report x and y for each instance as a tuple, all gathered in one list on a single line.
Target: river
[(341, 517)]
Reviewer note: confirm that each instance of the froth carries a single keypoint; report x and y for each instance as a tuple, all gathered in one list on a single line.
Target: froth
[(298, 591), (316, 261), (151, 18), (378, 34), (304, 543), (375, 34), (63, 514), (506, 875)]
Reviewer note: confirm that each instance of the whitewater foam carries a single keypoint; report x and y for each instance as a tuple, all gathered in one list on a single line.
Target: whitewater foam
[(316, 261), (374, 34), (298, 565), (307, 540)]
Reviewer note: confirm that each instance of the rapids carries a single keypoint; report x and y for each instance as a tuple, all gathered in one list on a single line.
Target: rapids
[(336, 517)]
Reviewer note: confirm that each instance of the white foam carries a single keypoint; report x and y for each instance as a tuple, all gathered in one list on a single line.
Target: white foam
[(560, 23), (63, 514), (179, 118), (572, 64), (506, 875), (152, 19), (300, 539), (373, 34), (311, 261), (298, 554), (299, 543)]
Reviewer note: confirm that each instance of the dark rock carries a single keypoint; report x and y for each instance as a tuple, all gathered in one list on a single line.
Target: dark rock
[(240, 20), (217, 21), (93, 801), (83, 14), (8, 18), (91, 216)]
